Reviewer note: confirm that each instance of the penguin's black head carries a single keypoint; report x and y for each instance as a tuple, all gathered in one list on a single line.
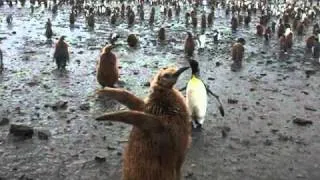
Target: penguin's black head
[(242, 41), (189, 34), (194, 67)]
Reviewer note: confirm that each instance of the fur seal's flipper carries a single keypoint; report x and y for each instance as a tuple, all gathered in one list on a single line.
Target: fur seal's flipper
[(144, 121), (124, 97), (218, 99)]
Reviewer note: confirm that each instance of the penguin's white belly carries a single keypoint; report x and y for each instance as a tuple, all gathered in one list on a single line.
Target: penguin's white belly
[(197, 101)]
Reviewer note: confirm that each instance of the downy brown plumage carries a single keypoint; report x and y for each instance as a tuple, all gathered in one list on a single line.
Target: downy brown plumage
[(161, 129)]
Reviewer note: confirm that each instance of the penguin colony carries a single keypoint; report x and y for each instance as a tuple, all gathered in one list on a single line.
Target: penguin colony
[(162, 122)]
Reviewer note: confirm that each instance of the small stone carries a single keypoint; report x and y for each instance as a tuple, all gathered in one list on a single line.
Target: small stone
[(59, 105), (85, 107), (309, 108), (252, 89), (274, 130), (232, 101), (250, 118), (189, 175), (135, 72), (211, 79), (218, 64), (119, 153), (111, 148), (21, 130), (302, 122), (268, 142), (147, 84), (44, 134), (4, 121), (80, 52), (100, 159)]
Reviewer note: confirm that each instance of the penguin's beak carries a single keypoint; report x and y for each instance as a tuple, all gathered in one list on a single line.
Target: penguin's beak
[(179, 72)]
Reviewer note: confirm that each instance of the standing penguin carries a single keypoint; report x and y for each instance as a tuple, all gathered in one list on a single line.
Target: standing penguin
[(107, 68), (196, 96), (189, 45), (49, 32), (61, 54)]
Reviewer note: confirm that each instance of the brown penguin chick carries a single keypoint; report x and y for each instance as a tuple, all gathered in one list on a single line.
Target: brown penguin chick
[(247, 20), (61, 53), (132, 40), (267, 33), (283, 43), (123, 10), (91, 20), (152, 13), (49, 32), (141, 14), (289, 40), (300, 28), (310, 42), (170, 13), (162, 34), (237, 52), (189, 45), (316, 29), (107, 68), (72, 18), (187, 17), (210, 18), (203, 21), (131, 18), (259, 29), (113, 19), (161, 133), (281, 30), (234, 23)]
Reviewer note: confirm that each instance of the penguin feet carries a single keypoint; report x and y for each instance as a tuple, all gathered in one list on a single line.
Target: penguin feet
[(196, 126)]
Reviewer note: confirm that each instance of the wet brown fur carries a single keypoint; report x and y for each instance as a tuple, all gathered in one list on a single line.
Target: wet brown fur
[(107, 68), (310, 42), (259, 30), (237, 52), (189, 45), (160, 136)]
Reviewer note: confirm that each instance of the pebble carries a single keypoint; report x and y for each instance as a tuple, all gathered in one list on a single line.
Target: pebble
[(85, 107), (309, 108), (21, 130), (302, 122), (4, 121), (232, 101), (100, 159), (268, 142), (43, 134)]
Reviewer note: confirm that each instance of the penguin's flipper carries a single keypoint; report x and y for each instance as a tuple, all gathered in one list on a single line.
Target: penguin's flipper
[(218, 99), (124, 97), (144, 121), (182, 89)]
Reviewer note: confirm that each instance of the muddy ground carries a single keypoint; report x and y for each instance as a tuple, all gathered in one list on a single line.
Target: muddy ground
[(269, 92)]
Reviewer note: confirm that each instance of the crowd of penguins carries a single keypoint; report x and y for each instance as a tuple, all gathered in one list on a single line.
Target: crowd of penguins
[(163, 121)]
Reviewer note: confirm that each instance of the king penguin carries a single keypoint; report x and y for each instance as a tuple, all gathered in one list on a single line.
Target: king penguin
[(196, 97)]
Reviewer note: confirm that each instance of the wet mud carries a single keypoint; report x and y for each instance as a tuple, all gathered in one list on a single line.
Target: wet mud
[(261, 101)]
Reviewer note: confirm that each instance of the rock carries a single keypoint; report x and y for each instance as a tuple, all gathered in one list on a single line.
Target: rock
[(44, 134), (85, 107), (21, 130), (267, 142), (111, 148), (80, 52), (189, 175), (232, 101), (147, 84), (309, 108), (310, 72), (302, 122), (4, 121), (252, 89), (218, 64), (59, 105), (225, 130), (250, 118), (100, 159), (211, 79)]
